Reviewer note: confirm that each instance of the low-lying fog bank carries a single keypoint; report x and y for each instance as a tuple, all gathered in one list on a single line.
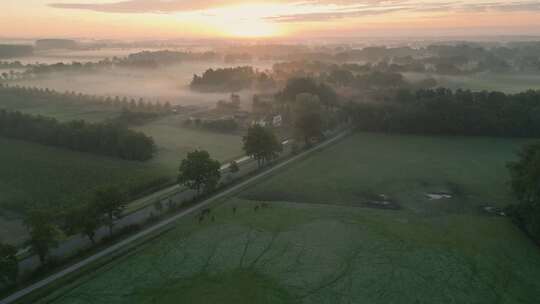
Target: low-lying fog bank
[(164, 84)]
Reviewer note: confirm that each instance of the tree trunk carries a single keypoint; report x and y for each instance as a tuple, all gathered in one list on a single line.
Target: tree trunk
[(91, 238)]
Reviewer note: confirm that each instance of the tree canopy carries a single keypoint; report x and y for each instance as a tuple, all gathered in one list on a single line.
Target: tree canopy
[(446, 112), (98, 138), (525, 173), (262, 144), (44, 234), (199, 172), (308, 117), (111, 202), (295, 86)]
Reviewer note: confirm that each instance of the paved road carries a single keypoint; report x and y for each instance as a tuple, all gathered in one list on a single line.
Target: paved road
[(155, 228), (175, 194)]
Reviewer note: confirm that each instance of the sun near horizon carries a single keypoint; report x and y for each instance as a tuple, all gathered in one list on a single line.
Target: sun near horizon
[(160, 19)]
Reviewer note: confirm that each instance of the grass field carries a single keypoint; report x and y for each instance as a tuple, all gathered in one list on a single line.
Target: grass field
[(174, 141), (314, 244), (404, 168), (505, 82), (33, 174)]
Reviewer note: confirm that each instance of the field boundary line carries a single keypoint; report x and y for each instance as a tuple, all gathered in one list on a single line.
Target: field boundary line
[(111, 249)]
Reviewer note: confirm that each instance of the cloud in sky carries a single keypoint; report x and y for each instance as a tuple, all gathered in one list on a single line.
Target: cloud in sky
[(309, 10)]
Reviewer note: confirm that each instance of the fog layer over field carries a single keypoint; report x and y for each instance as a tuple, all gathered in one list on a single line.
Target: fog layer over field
[(163, 84)]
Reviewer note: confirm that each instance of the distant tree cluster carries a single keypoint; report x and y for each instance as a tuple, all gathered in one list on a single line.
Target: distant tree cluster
[(11, 65), (12, 50), (357, 77), (231, 80), (460, 112), (104, 139), (166, 57), (295, 86), (141, 60)]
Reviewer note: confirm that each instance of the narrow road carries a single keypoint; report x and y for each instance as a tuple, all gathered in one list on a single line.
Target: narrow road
[(175, 194), (155, 228)]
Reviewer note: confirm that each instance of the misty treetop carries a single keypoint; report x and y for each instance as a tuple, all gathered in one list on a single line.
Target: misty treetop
[(104, 139), (231, 80)]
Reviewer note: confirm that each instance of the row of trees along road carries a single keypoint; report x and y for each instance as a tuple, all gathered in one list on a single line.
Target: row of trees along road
[(198, 171), (46, 229)]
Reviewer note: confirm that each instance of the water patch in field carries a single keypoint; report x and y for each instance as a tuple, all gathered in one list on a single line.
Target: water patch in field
[(493, 210), (439, 195)]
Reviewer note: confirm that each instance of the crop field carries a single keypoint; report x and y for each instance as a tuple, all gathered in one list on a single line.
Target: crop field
[(505, 82), (36, 175), (312, 243)]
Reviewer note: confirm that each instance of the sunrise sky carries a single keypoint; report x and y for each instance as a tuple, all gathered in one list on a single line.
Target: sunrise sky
[(275, 18)]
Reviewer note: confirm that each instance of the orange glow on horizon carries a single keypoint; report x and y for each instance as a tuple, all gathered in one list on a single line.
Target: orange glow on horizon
[(270, 19)]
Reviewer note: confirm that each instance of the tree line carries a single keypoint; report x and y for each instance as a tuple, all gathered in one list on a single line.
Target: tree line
[(231, 80), (446, 112), (22, 95), (97, 138), (525, 173)]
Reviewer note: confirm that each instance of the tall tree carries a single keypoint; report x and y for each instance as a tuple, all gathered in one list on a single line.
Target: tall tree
[(262, 144), (85, 220), (44, 234), (308, 117), (525, 175), (9, 266), (109, 201), (199, 171)]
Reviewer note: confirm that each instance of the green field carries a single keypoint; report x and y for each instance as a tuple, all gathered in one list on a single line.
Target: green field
[(315, 243), (174, 141)]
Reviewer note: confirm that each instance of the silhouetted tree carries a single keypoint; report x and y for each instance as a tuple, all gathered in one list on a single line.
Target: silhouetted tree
[(308, 117), (110, 201), (261, 144), (44, 234), (199, 171)]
